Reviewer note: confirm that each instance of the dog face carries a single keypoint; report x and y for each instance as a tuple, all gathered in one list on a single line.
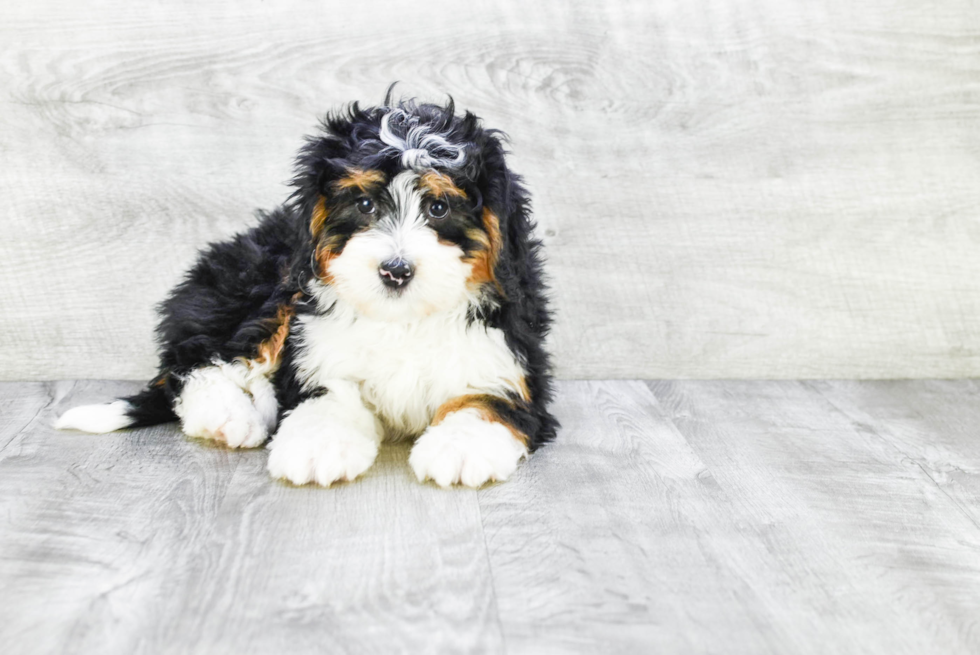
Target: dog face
[(401, 248), (399, 224)]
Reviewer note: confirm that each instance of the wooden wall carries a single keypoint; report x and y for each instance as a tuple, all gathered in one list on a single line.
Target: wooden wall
[(744, 188)]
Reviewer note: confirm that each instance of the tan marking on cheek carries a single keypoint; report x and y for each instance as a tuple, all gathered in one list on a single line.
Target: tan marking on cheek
[(481, 271), (484, 260), (325, 254), (438, 184), (319, 217), (358, 178), (483, 404)]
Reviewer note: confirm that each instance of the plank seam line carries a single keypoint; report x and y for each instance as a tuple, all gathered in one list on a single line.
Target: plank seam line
[(30, 422), (493, 581), (888, 442)]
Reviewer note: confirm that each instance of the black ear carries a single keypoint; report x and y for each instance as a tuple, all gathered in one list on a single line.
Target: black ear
[(504, 194), (346, 138), (524, 310), (321, 160), (523, 314)]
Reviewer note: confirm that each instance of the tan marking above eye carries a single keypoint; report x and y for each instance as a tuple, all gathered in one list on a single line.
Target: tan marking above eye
[(358, 178), (438, 184)]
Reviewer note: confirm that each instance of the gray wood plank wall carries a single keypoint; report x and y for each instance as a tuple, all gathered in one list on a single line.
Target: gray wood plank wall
[(729, 188)]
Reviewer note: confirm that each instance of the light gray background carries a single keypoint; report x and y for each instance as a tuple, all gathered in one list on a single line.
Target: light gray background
[(747, 188)]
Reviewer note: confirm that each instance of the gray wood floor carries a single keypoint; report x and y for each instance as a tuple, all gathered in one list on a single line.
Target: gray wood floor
[(755, 517)]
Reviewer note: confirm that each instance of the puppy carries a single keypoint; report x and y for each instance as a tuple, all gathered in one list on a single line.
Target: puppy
[(396, 294)]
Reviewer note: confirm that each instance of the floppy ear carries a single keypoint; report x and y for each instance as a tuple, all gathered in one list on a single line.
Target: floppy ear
[(327, 156), (518, 265), (522, 314), (320, 161)]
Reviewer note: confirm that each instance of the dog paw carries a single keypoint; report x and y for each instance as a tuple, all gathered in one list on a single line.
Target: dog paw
[(213, 407), (466, 449), (323, 453)]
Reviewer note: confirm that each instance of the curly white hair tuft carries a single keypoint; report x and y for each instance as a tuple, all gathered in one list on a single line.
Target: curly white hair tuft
[(420, 147)]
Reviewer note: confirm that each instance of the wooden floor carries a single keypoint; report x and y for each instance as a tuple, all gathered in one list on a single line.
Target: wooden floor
[(725, 517)]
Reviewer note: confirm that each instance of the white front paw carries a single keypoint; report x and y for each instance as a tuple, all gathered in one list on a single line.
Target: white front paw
[(213, 407), (466, 449), (321, 453)]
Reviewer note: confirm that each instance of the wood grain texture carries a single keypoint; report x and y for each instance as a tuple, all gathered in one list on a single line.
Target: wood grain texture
[(933, 425), (145, 542), (862, 548), (694, 517), (602, 544), (727, 189)]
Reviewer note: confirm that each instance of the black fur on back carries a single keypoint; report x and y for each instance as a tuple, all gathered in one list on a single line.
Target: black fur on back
[(227, 303)]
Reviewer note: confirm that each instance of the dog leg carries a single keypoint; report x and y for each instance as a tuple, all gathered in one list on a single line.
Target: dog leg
[(466, 448), (226, 403), (325, 439)]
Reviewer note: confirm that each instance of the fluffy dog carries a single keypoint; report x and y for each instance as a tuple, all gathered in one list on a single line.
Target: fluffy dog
[(396, 294)]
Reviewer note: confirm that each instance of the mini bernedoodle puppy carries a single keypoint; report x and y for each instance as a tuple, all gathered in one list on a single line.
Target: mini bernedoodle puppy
[(396, 294)]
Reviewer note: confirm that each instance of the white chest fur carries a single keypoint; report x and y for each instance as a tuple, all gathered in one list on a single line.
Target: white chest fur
[(406, 370)]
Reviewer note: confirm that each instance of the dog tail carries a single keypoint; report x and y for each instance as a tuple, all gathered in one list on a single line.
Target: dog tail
[(149, 407)]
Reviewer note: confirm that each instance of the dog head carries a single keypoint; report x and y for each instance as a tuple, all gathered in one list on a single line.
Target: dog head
[(411, 211)]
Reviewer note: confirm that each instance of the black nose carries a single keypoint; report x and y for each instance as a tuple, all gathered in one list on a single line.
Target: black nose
[(396, 273)]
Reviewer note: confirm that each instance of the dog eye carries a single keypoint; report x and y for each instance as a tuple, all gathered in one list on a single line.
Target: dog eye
[(437, 209), (365, 206)]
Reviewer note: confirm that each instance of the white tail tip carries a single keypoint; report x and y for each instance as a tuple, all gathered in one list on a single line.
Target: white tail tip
[(96, 418)]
